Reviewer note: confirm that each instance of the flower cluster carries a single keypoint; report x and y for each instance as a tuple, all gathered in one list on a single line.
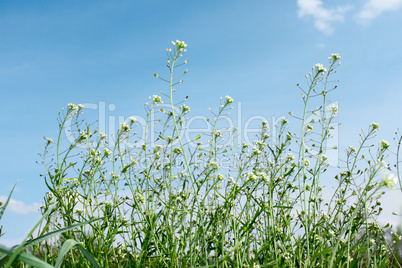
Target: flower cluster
[(320, 68), (157, 99), (229, 99), (180, 44)]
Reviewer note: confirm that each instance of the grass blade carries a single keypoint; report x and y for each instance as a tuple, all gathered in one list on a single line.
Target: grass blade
[(24, 257), (69, 244), (88, 256), (51, 234), (3, 208)]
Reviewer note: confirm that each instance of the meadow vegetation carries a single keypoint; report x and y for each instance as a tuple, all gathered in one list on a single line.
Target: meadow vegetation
[(168, 202)]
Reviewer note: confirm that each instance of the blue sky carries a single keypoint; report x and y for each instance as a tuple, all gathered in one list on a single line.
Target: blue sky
[(56, 52)]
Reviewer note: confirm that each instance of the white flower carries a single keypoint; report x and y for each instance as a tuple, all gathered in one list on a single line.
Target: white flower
[(384, 145), (102, 135), (107, 151), (374, 126), (133, 119), (256, 151), (156, 98), (83, 135), (352, 149), (334, 108), (124, 127), (228, 99), (72, 107), (388, 179), (185, 108), (290, 157), (320, 68), (180, 44), (214, 165), (335, 56), (220, 177)]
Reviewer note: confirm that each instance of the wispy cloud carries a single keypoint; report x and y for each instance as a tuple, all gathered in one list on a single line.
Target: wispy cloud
[(373, 8), (323, 17), (20, 207)]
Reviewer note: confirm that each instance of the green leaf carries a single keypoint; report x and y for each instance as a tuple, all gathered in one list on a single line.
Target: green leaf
[(198, 137), (88, 256), (25, 257), (67, 245), (51, 234), (3, 208)]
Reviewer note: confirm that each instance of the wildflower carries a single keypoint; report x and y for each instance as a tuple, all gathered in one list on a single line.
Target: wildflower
[(79, 211), (309, 128), (177, 151), (102, 135), (384, 145), (220, 177), (284, 121), (217, 133), (107, 151), (389, 180), (306, 162), (264, 176), (80, 107), (323, 158), (334, 108), (185, 108), (214, 165), (335, 56), (352, 149), (287, 256), (256, 151), (72, 107), (124, 127), (83, 136), (320, 68), (132, 119), (290, 157), (140, 197), (251, 177), (180, 44), (49, 140), (114, 175), (261, 144), (245, 145), (374, 126), (228, 99), (157, 99)]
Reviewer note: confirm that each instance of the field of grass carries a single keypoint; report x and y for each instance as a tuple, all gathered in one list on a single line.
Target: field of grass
[(168, 202)]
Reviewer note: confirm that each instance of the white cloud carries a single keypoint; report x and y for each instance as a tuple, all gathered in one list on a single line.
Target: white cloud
[(20, 207), (323, 18), (374, 8)]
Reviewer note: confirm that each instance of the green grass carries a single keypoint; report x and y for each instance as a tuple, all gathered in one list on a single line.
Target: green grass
[(167, 202)]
